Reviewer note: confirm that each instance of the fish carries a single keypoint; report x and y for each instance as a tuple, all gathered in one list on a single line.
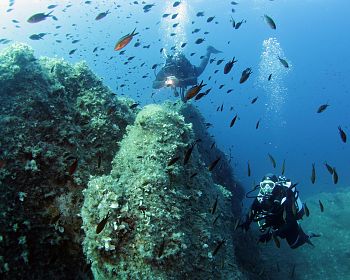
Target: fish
[(238, 24), (161, 248), (188, 154), (102, 15), (307, 211), (213, 164), (249, 173), (219, 61), (183, 45), (335, 176), (173, 161), (123, 41), (73, 167), (99, 160), (272, 160), (254, 100), (199, 95), (257, 124), (148, 7), (213, 209), (101, 225), (342, 134), (276, 240), (233, 22), (245, 75), (218, 246), (322, 108), (284, 62), (269, 78), (38, 17), (193, 91), (200, 14), (283, 167), (238, 221), (174, 16), (229, 65), (199, 41), (233, 120), (39, 36), (270, 21), (216, 218), (210, 19), (72, 51), (321, 205), (329, 168), (313, 174), (193, 175), (51, 6), (176, 3)]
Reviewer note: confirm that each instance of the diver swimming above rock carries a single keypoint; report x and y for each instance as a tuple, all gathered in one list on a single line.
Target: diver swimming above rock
[(178, 72)]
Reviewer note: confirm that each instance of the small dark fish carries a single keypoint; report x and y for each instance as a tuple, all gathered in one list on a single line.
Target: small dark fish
[(270, 22), (176, 3), (173, 161), (200, 14), (321, 205), (213, 164), (283, 167), (335, 176), (199, 41), (254, 100), (269, 78), (148, 7), (39, 36), (210, 19), (217, 248), (196, 30), (329, 168), (238, 24), (313, 174), (193, 91), (51, 6), (233, 22), (132, 106), (174, 16), (188, 154), (183, 45), (219, 61), (212, 145), (245, 75), (276, 240), (193, 175), (161, 248), (99, 160), (238, 221), (216, 218), (75, 41), (102, 15), (154, 66), (257, 124), (284, 62), (272, 160), (233, 120), (322, 108), (342, 134), (72, 51), (38, 17), (73, 167), (165, 15), (101, 225), (95, 49), (213, 209), (307, 211), (249, 173), (229, 65), (175, 24), (200, 95)]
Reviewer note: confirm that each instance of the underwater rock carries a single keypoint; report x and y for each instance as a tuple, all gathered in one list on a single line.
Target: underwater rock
[(162, 224), (52, 115)]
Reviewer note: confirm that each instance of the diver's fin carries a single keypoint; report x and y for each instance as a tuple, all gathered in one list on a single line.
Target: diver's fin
[(309, 242), (211, 49), (311, 234)]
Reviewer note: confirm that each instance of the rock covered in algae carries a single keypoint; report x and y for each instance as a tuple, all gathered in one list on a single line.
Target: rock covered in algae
[(51, 113), (162, 224)]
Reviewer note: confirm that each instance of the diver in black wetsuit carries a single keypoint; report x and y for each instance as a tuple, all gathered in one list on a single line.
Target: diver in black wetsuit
[(178, 72), (277, 209)]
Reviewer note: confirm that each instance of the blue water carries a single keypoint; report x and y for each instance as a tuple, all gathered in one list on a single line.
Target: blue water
[(311, 35)]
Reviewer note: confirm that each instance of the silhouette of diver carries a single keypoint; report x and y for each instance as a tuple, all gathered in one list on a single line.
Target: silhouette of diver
[(178, 72)]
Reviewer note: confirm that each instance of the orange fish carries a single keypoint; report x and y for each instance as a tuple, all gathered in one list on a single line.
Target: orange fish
[(123, 41), (193, 91)]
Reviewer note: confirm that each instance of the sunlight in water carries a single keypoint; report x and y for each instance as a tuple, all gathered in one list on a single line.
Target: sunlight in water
[(167, 28), (270, 65)]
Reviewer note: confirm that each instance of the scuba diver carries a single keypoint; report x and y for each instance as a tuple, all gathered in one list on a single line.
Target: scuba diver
[(277, 209), (178, 72)]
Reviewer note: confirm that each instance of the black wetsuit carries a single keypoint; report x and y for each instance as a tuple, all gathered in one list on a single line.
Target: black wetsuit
[(278, 219)]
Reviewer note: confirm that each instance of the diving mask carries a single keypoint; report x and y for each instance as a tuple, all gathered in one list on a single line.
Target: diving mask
[(266, 187)]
